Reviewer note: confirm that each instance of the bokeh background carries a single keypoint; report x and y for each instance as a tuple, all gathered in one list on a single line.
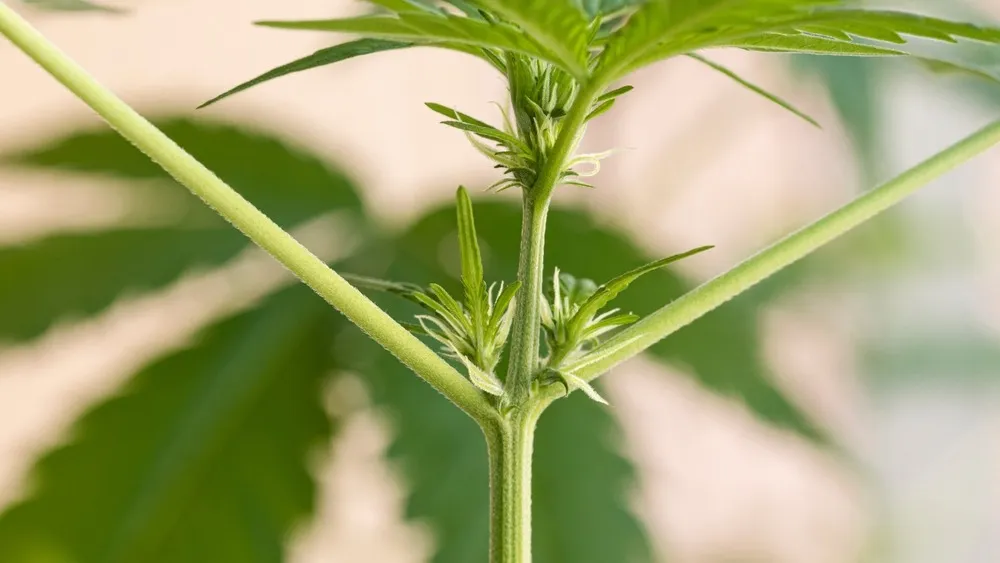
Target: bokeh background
[(892, 344)]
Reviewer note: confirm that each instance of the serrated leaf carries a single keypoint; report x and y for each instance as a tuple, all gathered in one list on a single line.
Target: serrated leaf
[(323, 57), (576, 447), (754, 88), (558, 25), (574, 239), (439, 450), (201, 458), (666, 28), (81, 274), (809, 45), (63, 276), (677, 24), (430, 28)]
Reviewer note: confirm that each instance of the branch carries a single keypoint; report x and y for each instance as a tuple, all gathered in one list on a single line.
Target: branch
[(248, 219), (703, 299)]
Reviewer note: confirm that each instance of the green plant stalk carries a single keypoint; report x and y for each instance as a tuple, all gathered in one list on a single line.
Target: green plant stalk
[(527, 324), (510, 446), (755, 269), (248, 219)]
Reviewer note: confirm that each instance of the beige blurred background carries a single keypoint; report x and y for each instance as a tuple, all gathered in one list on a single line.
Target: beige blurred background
[(705, 160)]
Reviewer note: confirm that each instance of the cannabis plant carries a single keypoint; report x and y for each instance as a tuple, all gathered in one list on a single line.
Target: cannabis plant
[(503, 349)]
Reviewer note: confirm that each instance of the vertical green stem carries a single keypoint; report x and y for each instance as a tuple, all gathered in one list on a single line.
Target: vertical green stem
[(526, 325), (510, 449)]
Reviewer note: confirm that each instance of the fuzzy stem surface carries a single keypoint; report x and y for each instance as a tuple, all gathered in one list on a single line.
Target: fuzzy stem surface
[(510, 446), (526, 326)]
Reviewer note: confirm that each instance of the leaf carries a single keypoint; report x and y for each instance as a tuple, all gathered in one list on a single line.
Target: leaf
[(201, 458), (320, 58), (487, 132), (608, 291), (456, 115), (754, 88), (665, 28), (613, 94), (721, 350), (502, 307), (472, 261), (809, 45), (439, 450), (484, 380), (677, 23), (81, 274), (72, 6), (430, 28), (573, 382), (558, 25), (577, 448), (594, 8), (601, 108)]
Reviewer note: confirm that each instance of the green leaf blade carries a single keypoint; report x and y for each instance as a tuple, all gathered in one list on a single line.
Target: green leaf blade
[(472, 262), (558, 25), (608, 291), (214, 437), (71, 275), (430, 29), (662, 29), (320, 58)]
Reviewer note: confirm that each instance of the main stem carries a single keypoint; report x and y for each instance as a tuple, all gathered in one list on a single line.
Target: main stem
[(510, 447), (527, 323)]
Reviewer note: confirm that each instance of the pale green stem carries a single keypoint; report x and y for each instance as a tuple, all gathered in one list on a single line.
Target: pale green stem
[(510, 447), (714, 293), (527, 323), (248, 219)]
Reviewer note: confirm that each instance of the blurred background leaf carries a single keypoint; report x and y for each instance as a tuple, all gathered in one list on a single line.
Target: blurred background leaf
[(81, 274), (201, 457)]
